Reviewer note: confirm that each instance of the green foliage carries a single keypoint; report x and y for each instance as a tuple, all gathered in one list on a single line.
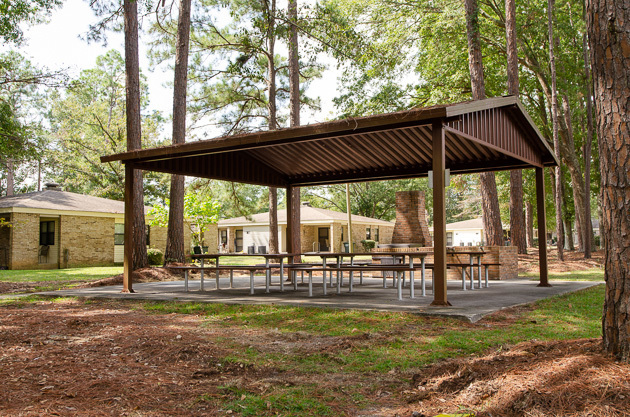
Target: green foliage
[(199, 213), (229, 63), (368, 245), (16, 12), (88, 121), (21, 104), (155, 256)]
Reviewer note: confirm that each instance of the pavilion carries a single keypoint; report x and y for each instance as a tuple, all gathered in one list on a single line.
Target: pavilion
[(485, 135)]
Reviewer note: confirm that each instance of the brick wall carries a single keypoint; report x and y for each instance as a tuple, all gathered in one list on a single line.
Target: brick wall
[(158, 236), (507, 256), (86, 241), (411, 224), (24, 252), (385, 234), (308, 236)]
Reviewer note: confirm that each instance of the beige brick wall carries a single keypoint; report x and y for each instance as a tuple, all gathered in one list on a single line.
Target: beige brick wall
[(386, 233), (335, 237), (86, 241), (24, 252), (211, 238), (309, 235), (157, 238)]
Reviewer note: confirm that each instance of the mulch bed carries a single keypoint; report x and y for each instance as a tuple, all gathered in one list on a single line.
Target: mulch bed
[(105, 358)]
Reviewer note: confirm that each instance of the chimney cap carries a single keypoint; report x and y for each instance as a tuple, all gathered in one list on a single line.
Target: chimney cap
[(52, 186)]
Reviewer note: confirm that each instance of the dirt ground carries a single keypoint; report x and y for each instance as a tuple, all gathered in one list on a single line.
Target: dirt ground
[(573, 261), (103, 358)]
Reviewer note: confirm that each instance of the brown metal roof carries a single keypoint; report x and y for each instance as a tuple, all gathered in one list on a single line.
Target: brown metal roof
[(483, 135)]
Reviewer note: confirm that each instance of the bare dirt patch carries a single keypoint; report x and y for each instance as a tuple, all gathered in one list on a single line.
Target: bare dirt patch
[(140, 275), (109, 358), (573, 261)]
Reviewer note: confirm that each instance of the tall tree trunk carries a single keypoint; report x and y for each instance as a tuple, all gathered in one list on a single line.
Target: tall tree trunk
[(517, 219), (134, 129), (294, 104), (10, 180), (608, 28), (572, 162), (175, 251), (556, 141), (493, 229), (273, 122), (588, 142), (529, 221)]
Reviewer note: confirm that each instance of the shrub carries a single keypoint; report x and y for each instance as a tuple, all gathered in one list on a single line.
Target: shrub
[(156, 257), (598, 241), (368, 245)]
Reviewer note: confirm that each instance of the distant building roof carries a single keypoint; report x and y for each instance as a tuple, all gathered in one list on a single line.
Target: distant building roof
[(466, 224), (63, 201), (307, 214)]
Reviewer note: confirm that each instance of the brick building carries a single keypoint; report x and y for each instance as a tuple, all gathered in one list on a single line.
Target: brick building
[(53, 229)]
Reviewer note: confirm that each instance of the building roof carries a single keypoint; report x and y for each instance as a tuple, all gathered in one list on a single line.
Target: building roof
[(62, 201), (483, 135), (307, 214), (466, 224)]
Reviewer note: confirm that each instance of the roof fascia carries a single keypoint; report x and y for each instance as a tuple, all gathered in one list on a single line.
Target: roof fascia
[(278, 137)]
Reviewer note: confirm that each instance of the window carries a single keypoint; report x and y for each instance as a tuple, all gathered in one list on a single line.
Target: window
[(47, 233), (376, 234), (368, 233), (224, 237), (238, 240), (119, 234), (449, 238)]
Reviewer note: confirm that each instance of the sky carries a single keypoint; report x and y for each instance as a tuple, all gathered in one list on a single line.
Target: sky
[(57, 45)]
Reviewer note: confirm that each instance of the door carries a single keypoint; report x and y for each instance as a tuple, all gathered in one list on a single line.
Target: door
[(238, 240), (323, 239)]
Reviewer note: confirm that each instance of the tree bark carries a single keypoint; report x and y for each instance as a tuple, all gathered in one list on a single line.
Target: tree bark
[(588, 142), (556, 141), (529, 220), (273, 122), (493, 229), (10, 180), (175, 251), (608, 28), (294, 113), (134, 130), (517, 219)]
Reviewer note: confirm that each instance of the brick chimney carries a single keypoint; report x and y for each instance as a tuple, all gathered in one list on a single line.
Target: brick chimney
[(411, 222)]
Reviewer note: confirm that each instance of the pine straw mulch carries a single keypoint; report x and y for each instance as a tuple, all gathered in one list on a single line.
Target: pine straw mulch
[(560, 378), (139, 275), (109, 358), (573, 261)]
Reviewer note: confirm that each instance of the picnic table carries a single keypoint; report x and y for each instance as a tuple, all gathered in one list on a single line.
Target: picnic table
[(267, 256)]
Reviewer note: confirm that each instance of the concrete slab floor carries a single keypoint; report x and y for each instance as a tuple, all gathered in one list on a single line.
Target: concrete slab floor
[(467, 305)]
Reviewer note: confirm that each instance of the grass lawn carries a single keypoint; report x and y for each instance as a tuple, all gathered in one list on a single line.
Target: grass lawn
[(593, 274), (56, 279), (410, 341)]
